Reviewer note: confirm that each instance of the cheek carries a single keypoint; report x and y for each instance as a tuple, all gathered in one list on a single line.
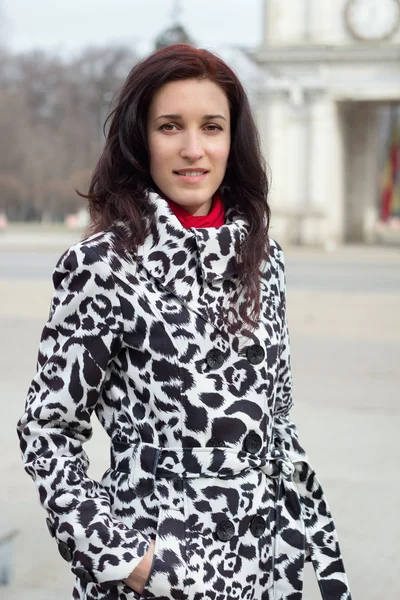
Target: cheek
[(221, 156), (160, 154), (220, 152)]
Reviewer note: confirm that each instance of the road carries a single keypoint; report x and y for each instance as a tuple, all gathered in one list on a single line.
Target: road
[(344, 317), (311, 270)]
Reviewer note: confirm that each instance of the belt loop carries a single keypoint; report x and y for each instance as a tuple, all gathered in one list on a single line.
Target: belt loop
[(139, 461)]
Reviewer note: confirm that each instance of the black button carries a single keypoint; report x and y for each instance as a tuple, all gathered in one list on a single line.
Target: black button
[(255, 354), (276, 471), (216, 442), (65, 551), (83, 575), (51, 528), (252, 442), (215, 359), (257, 526), (225, 530)]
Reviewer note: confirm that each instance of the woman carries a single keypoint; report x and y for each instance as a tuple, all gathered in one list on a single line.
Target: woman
[(169, 322)]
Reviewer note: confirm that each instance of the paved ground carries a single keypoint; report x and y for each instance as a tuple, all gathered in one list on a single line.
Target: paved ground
[(344, 316)]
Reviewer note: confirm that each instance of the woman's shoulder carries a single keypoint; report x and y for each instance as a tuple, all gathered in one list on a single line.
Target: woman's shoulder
[(275, 254), (274, 247), (90, 254)]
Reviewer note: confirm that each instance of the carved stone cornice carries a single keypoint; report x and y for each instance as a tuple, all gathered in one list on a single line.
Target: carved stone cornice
[(316, 53)]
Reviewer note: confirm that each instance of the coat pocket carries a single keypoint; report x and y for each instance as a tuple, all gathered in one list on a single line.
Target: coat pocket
[(168, 570)]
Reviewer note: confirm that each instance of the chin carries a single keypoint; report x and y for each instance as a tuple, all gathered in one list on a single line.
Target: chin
[(191, 198)]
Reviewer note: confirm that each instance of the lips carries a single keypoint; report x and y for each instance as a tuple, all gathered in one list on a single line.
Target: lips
[(191, 172), (191, 176)]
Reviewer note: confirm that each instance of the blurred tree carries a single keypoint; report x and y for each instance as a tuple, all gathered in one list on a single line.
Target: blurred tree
[(13, 195), (51, 118)]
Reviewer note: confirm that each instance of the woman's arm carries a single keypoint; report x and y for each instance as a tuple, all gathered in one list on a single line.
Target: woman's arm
[(285, 431), (81, 337)]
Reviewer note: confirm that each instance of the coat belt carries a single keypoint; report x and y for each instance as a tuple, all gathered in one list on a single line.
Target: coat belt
[(145, 463), (298, 492)]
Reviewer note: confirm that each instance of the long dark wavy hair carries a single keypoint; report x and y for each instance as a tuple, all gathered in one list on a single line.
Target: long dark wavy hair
[(121, 180)]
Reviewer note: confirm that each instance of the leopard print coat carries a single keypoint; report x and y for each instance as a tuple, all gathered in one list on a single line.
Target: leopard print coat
[(203, 455)]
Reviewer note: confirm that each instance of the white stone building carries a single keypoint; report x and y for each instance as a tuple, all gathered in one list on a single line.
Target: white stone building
[(329, 75)]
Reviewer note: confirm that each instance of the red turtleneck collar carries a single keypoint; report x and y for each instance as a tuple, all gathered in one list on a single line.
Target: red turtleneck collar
[(215, 218)]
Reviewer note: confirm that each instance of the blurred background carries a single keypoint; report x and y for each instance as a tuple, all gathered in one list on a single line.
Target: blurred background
[(323, 77)]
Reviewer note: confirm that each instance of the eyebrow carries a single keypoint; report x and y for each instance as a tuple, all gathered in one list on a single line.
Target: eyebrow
[(176, 116)]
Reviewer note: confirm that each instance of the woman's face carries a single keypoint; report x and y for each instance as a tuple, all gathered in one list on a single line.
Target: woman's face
[(188, 133)]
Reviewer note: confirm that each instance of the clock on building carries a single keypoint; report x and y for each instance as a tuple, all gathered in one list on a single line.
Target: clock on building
[(372, 20)]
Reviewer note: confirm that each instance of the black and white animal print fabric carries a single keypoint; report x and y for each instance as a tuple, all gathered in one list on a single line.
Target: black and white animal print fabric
[(203, 455)]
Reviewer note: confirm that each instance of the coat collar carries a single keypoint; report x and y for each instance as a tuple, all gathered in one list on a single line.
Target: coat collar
[(180, 258)]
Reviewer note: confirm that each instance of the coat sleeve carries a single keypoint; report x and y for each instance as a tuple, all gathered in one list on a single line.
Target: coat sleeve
[(81, 337), (285, 431)]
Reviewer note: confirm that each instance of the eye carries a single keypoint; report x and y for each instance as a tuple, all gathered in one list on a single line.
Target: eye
[(168, 127), (213, 127)]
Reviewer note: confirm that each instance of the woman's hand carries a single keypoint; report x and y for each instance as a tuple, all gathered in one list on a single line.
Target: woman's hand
[(137, 579)]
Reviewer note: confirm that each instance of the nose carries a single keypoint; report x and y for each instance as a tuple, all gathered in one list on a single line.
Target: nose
[(192, 148)]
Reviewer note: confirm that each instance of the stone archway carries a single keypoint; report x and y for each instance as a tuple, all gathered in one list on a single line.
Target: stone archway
[(317, 103)]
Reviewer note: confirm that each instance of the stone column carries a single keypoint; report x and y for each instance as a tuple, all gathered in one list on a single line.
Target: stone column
[(325, 20), (272, 119), (325, 180), (285, 21), (362, 165), (283, 120), (297, 161), (371, 208)]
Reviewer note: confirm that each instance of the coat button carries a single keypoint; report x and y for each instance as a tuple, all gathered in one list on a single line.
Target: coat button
[(257, 526), (225, 530), (83, 575), (65, 551), (252, 442), (51, 528), (215, 442), (255, 354), (275, 470), (215, 359)]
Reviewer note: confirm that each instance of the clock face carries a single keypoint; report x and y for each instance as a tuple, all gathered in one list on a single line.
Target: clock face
[(372, 19)]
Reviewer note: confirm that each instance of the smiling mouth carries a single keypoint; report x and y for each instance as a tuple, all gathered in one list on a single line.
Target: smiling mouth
[(191, 172)]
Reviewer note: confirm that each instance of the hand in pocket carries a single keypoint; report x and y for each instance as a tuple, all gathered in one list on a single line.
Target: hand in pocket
[(139, 576)]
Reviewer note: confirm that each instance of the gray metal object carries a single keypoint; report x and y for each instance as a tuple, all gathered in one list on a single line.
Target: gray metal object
[(6, 550)]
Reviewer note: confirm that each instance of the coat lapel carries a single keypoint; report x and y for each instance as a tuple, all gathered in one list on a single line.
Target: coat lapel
[(199, 266)]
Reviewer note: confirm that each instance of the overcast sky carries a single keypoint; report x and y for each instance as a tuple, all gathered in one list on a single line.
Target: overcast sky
[(65, 26)]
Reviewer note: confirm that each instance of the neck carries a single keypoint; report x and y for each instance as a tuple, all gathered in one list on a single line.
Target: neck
[(212, 216)]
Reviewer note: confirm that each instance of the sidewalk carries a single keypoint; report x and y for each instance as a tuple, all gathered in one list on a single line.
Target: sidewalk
[(37, 240)]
